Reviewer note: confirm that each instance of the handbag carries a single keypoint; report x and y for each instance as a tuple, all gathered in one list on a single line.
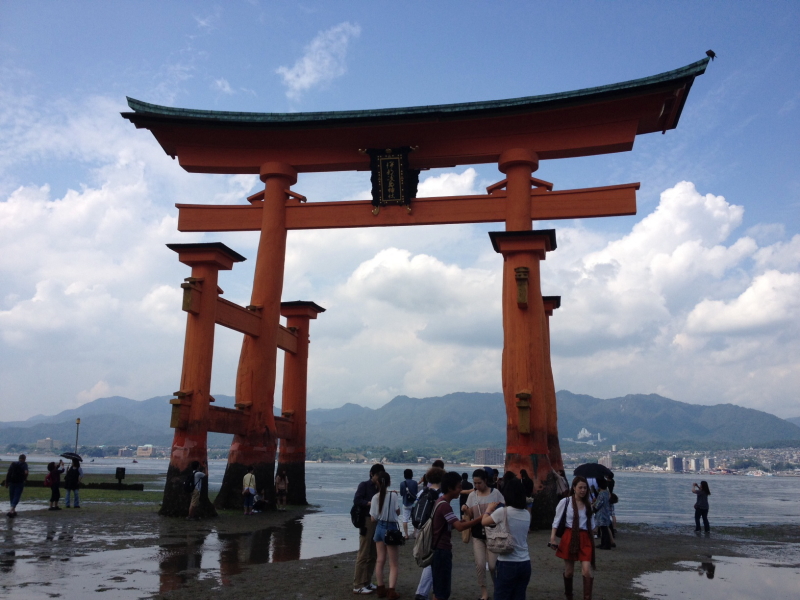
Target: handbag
[(394, 537), (466, 535), (498, 539)]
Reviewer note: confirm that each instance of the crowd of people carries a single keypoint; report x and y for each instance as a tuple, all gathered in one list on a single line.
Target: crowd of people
[(495, 517)]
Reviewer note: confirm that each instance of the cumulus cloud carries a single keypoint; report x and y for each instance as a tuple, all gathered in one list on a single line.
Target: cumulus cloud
[(222, 85), (322, 62)]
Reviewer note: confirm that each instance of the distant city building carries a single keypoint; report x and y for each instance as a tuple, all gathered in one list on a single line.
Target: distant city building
[(584, 433), (125, 452), (489, 456), (606, 461), (692, 465), (613, 447), (48, 444), (146, 450), (675, 464), (708, 464)]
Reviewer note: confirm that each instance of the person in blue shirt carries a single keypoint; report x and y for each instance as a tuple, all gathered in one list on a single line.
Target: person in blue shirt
[(408, 494)]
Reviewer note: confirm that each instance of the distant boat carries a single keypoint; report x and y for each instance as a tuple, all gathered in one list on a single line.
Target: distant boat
[(136, 461), (91, 460)]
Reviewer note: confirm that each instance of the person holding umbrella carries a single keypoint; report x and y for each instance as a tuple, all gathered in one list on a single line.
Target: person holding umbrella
[(53, 481), (72, 480)]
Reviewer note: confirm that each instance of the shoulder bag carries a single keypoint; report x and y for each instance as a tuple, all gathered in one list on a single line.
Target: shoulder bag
[(498, 538)]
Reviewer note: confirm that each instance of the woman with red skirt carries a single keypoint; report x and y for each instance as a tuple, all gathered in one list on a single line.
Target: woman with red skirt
[(573, 523)]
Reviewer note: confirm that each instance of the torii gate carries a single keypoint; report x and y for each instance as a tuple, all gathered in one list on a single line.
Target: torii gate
[(515, 134)]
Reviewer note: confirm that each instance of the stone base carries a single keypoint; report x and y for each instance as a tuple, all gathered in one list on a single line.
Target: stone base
[(176, 502)]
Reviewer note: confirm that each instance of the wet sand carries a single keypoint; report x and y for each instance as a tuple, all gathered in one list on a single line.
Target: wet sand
[(173, 551)]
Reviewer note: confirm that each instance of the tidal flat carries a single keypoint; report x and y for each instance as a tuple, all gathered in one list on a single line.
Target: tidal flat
[(125, 550)]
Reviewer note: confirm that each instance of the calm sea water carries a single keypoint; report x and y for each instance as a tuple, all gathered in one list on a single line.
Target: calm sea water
[(661, 499)]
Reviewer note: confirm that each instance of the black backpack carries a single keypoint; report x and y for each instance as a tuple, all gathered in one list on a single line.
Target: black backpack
[(188, 483), (409, 495), (358, 516), (16, 474), (422, 511)]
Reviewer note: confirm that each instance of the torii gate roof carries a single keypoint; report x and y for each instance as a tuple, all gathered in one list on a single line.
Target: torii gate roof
[(583, 122)]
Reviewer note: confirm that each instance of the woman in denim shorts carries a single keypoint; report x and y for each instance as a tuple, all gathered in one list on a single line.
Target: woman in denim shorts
[(384, 509)]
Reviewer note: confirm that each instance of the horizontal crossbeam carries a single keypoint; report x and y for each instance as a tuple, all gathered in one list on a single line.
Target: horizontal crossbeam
[(587, 203)]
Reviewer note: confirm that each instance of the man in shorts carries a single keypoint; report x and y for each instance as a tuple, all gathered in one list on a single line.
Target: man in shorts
[(408, 493), (367, 553)]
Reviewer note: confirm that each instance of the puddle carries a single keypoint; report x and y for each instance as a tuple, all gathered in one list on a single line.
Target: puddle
[(723, 578), (133, 573)]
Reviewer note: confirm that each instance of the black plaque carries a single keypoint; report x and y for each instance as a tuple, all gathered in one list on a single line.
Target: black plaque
[(393, 182)]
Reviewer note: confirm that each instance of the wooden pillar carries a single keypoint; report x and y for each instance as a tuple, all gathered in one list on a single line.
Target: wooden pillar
[(255, 379), (292, 456), (551, 303), (190, 408)]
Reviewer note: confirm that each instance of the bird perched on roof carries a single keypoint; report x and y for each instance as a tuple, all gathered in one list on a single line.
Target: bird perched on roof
[(711, 54)]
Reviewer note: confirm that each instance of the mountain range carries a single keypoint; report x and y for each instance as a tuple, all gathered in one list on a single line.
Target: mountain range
[(459, 419)]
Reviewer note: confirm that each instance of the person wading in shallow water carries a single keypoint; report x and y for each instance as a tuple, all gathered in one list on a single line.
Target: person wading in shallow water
[(701, 506), (574, 515)]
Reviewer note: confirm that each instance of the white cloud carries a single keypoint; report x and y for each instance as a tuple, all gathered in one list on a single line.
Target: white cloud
[(222, 85), (322, 62)]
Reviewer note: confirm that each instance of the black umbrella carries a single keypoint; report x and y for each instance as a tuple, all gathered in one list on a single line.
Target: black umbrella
[(595, 470), (72, 456)]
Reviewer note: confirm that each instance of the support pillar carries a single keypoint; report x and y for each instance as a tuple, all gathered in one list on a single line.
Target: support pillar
[(525, 365), (551, 303), (255, 379), (292, 456), (190, 408)]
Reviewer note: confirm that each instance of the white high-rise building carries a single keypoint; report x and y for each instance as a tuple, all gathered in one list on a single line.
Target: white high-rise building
[(692, 465), (708, 464), (605, 461), (675, 464)]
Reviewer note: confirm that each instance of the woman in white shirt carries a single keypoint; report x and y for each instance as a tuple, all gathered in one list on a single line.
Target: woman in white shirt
[(384, 509), (574, 516), (513, 569), (477, 503)]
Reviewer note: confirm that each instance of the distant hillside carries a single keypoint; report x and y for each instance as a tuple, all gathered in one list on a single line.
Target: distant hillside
[(460, 419), (794, 420)]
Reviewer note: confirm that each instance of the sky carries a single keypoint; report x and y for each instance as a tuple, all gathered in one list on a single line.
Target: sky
[(696, 298)]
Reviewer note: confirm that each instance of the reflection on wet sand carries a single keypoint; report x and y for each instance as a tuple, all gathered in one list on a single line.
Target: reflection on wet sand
[(182, 561)]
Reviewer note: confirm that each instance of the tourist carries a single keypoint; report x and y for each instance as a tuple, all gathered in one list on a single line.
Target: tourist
[(574, 516), (72, 483), (438, 463), (198, 474), (466, 490), (383, 511), (434, 478), (602, 510), (16, 477), (281, 489), (54, 480), (367, 554), (249, 491), (527, 483), (443, 520), (513, 569), (701, 506), (477, 503), (408, 494)]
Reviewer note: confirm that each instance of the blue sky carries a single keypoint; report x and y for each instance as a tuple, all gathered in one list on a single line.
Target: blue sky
[(693, 298)]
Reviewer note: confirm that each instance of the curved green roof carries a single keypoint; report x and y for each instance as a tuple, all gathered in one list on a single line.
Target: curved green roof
[(466, 109)]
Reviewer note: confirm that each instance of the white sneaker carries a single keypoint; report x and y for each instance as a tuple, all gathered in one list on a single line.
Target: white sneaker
[(363, 590), (372, 586)]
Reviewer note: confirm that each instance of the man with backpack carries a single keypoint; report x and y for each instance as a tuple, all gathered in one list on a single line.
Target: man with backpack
[(72, 482), (367, 553), (15, 482), (419, 516), (408, 493)]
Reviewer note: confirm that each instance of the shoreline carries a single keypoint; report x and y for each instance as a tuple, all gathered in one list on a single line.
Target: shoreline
[(197, 569)]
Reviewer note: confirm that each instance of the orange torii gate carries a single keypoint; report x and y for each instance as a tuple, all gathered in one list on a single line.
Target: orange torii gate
[(395, 144)]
